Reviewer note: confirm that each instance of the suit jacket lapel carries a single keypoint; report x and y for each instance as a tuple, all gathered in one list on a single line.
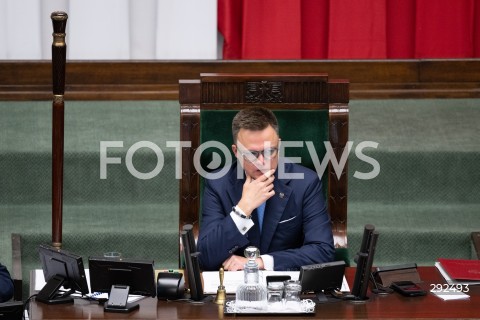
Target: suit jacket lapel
[(235, 192)]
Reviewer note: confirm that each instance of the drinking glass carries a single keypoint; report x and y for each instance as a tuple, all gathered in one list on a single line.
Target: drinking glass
[(275, 295), (293, 290)]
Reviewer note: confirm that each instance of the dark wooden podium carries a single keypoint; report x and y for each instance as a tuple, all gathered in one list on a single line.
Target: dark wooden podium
[(392, 306)]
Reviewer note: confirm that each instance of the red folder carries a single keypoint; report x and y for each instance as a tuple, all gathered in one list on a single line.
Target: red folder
[(461, 269)]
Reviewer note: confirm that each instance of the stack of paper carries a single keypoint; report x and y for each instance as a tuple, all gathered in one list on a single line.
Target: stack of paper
[(40, 282), (451, 295), (232, 279)]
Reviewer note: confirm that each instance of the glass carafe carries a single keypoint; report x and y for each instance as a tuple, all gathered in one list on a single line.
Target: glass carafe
[(252, 294)]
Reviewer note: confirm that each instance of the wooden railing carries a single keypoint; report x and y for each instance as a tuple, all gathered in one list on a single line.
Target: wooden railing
[(158, 80)]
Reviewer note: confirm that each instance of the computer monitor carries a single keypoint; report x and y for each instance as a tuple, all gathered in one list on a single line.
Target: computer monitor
[(61, 269), (322, 278), (121, 277)]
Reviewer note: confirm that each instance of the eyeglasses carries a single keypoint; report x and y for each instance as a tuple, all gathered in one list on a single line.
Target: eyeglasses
[(267, 154)]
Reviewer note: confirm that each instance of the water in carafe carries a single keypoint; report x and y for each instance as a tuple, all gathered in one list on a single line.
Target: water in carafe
[(252, 294)]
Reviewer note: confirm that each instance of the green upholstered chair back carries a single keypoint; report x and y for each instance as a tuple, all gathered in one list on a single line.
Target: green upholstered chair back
[(309, 107), (216, 125)]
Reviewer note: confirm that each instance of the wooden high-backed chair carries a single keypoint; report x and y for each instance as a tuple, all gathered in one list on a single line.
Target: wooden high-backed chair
[(309, 107)]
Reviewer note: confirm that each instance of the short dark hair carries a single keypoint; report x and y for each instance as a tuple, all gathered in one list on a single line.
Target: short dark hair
[(255, 119)]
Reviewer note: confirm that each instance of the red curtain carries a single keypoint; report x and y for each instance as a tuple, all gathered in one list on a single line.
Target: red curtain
[(349, 29)]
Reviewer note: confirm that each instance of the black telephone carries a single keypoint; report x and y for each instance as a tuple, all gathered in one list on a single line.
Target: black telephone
[(408, 288)]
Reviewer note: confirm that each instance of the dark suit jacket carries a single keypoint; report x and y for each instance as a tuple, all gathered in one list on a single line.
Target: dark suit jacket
[(6, 284), (296, 227)]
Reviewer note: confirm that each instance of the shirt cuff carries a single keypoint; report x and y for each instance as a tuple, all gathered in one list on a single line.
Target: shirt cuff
[(243, 225), (268, 262)]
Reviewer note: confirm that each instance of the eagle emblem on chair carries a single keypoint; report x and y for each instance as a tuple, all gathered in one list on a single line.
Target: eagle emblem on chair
[(264, 92)]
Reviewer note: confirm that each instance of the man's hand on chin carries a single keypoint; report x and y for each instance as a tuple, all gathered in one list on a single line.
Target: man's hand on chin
[(256, 191)]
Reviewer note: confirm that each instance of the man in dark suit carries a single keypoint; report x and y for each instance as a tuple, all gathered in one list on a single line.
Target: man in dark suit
[(267, 202), (6, 284)]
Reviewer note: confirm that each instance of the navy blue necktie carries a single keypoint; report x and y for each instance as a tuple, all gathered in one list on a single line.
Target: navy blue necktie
[(260, 213)]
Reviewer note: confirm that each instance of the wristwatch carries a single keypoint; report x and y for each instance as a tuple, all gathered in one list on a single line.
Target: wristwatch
[(239, 213)]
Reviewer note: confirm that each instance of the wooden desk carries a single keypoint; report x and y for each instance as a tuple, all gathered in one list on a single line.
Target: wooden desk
[(377, 307)]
